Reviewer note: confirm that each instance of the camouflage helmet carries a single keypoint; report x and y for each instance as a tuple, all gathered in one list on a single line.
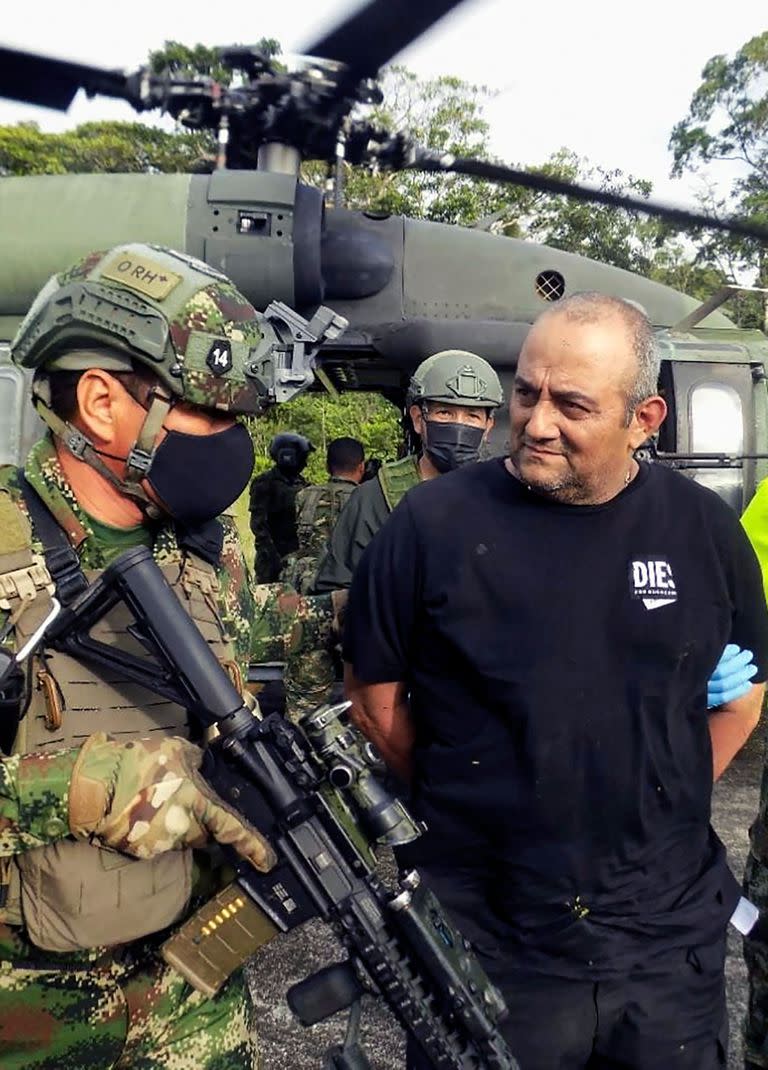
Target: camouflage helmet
[(175, 315), (457, 377)]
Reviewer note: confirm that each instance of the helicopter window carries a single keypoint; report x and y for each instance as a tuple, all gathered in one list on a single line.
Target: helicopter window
[(254, 223), (550, 285), (717, 420)]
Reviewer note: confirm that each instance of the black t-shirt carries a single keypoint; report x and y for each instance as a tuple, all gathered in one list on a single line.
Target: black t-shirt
[(557, 659)]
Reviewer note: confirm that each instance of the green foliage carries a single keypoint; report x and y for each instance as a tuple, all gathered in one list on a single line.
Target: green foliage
[(367, 417), (728, 120), (107, 147), (728, 115), (612, 235), (196, 60)]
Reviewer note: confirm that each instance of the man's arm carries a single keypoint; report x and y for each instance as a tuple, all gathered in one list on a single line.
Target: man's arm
[(34, 800), (731, 725), (381, 712)]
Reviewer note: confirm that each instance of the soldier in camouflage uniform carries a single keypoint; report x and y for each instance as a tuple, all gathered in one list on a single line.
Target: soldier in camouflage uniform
[(272, 504), (318, 508), (142, 358), (450, 402)]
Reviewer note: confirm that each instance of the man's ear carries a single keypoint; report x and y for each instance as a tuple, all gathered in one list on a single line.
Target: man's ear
[(99, 399), (646, 420), (417, 419), (489, 425)]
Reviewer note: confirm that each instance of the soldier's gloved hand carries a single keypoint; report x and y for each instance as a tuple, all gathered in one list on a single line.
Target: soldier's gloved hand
[(147, 796), (732, 675)]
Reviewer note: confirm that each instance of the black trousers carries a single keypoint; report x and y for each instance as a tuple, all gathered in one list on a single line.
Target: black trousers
[(671, 1016)]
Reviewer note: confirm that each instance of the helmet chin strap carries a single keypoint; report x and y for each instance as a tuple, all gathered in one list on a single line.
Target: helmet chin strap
[(137, 463)]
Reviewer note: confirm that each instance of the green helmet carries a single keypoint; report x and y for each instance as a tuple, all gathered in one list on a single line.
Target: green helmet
[(182, 319), (455, 376)]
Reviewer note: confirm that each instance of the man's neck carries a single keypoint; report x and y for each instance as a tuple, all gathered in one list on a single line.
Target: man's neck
[(427, 469), (96, 495)]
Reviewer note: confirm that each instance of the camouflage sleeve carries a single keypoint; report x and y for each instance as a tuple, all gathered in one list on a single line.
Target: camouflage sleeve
[(299, 631), (34, 799), (286, 623)]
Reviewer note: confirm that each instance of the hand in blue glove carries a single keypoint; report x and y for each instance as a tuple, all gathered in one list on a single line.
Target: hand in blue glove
[(731, 677)]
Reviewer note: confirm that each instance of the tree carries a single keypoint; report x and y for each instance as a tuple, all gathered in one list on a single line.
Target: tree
[(112, 147), (728, 120), (200, 60), (367, 417), (611, 235)]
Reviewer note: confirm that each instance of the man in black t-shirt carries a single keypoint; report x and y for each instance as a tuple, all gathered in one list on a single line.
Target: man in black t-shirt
[(536, 665)]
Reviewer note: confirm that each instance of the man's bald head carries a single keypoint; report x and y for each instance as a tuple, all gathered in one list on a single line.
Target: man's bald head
[(592, 307), (584, 399)]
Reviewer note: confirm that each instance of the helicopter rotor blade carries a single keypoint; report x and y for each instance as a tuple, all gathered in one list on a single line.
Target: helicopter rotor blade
[(425, 160), (53, 83), (374, 34)]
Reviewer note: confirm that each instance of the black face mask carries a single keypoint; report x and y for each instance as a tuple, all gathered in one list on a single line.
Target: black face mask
[(450, 445), (291, 462), (197, 477)]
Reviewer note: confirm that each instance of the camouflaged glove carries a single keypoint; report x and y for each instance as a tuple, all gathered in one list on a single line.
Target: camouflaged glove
[(147, 796)]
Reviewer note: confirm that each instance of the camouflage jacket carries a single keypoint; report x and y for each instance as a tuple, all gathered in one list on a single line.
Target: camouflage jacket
[(317, 510), (266, 623)]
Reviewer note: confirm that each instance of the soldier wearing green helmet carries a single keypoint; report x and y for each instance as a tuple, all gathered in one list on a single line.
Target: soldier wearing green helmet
[(142, 360), (450, 403)]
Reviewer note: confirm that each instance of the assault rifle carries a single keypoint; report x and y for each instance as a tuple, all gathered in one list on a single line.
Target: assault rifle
[(312, 791)]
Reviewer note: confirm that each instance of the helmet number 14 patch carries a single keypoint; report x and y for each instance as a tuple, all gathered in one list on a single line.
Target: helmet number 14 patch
[(219, 358)]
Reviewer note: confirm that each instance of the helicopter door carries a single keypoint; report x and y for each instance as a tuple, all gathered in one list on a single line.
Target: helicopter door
[(710, 426), (20, 426)]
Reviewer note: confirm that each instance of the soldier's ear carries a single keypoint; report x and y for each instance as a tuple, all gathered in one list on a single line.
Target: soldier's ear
[(417, 419), (100, 399)]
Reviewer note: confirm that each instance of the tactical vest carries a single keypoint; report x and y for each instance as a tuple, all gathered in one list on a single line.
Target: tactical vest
[(397, 477), (328, 500), (72, 895)]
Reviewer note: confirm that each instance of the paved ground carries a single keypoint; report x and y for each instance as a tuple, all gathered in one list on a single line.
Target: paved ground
[(286, 1046)]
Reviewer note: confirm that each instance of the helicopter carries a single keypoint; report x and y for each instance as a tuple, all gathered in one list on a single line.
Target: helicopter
[(252, 218)]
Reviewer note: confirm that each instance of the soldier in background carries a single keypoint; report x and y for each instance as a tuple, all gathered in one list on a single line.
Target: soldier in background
[(450, 402), (273, 504), (318, 509), (142, 359)]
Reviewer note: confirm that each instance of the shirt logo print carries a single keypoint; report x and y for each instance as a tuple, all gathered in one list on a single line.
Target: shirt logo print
[(652, 581)]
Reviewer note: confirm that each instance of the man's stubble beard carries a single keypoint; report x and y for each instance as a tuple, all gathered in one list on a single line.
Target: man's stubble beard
[(568, 488)]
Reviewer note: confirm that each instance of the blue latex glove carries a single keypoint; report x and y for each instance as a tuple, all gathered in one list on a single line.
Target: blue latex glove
[(731, 677)]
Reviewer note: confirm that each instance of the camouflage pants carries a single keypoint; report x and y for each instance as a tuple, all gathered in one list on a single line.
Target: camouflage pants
[(148, 1019), (756, 958)]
